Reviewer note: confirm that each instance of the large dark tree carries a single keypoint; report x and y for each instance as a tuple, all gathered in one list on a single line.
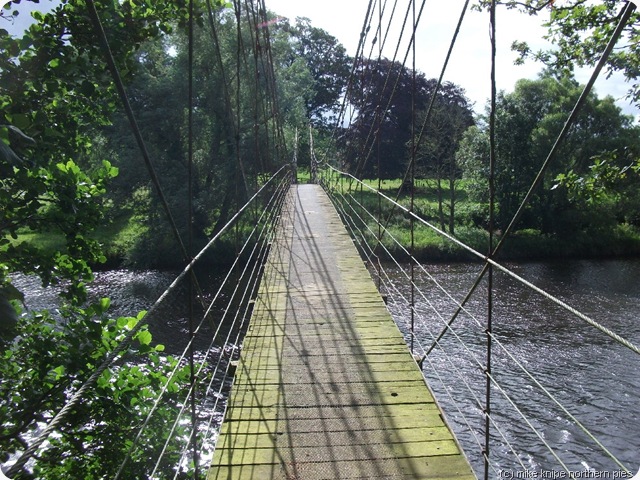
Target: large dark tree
[(381, 95), (385, 101)]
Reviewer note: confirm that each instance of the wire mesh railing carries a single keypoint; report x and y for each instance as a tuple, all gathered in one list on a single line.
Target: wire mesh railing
[(157, 443), (534, 410)]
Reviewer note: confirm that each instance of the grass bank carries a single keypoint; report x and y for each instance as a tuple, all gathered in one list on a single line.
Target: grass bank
[(469, 227)]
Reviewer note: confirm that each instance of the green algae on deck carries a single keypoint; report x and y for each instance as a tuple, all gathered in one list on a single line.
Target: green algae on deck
[(326, 387)]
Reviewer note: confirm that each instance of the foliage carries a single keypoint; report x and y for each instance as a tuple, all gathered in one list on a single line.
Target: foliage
[(382, 96), (609, 186), (328, 65), (527, 124), (55, 92), (579, 31), (51, 358)]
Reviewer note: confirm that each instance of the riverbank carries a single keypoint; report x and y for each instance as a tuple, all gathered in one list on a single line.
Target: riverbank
[(597, 238), (128, 242), (524, 245)]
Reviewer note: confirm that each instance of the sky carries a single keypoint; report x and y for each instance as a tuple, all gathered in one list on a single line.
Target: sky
[(469, 66)]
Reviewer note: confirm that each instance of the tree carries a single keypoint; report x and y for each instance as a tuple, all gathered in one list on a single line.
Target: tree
[(329, 66), (54, 94), (579, 31), (527, 123), (450, 117), (385, 107), (381, 95)]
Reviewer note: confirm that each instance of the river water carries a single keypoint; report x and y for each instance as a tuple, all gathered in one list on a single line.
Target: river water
[(595, 379)]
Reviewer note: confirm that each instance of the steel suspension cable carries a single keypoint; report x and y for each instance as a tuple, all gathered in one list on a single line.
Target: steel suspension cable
[(117, 79), (366, 151), (191, 292), (624, 19), (413, 173), (431, 105), (366, 24), (492, 213), (366, 156)]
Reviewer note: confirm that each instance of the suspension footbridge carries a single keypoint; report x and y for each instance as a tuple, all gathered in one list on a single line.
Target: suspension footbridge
[(300, 371), (326, 386)]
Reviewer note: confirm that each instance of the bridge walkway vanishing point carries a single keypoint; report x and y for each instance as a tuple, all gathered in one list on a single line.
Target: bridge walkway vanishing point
[(326, 387)]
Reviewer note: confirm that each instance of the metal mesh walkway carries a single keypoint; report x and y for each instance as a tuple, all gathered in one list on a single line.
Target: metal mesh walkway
[(326, 387)]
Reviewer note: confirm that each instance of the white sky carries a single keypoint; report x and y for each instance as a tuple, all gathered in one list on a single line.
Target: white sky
[(469, 66)]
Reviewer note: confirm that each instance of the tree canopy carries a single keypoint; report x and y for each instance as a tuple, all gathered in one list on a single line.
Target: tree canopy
[(579, 31), (527, 124), (383, 99)]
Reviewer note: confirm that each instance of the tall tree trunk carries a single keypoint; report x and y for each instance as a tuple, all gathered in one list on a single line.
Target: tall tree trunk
[(441, 203), (452, 204)]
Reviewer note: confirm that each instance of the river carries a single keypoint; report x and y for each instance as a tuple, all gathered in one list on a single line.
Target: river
[(592, 376)]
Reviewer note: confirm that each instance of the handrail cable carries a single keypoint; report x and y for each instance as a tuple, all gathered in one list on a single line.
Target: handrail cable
[(77, 397), (226, 342), (351, 225), (215, 370), (272, 213), (483, 257), (175, 370), (249, 290), (425, 298), (353, 228), (422, 267)]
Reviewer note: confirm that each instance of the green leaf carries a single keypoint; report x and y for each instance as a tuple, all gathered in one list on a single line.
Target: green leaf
[(144, 337)]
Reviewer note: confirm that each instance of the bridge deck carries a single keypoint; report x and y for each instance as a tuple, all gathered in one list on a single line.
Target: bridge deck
[(326, 387)]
